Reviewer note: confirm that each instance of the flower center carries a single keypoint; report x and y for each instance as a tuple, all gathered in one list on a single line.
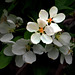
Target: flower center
[(57, 37), (11, 30), (70, 51), (41, 30), (49, 20), (27, 47)]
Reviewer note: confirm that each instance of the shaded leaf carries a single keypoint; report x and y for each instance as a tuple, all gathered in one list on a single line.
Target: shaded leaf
[(4, 60), (16, 38), (63, 4), (27, 35)]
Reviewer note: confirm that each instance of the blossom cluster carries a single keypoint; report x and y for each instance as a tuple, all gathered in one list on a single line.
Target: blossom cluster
[(46, 29)]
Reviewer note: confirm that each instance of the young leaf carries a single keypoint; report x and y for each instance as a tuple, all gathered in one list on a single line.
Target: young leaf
[(27, 35), (4, 60)]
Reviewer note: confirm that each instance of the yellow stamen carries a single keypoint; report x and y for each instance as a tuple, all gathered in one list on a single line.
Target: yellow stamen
[(49, 20), (70, 51), (11, 30), (57, 36), (41, 30), (27, 47)]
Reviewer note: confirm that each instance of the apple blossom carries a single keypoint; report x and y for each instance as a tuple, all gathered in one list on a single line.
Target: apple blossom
[(57, 18), (18, 58), (23, 47), (62, 39), (41, 32), (52, 52), (66, 54)]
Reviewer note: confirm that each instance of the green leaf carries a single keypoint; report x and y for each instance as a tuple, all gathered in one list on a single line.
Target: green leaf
[(4, 60), (12, 6), (27, 35), (16, 38), (63, 4), (73, 35)]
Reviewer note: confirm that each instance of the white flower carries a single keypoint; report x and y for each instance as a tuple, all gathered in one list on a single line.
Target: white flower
[(62, 39), (57, 18), (16, 20), (40, 29), (63, 42), (66, 54), (53, 52), (22, 47), (18, 59), (68, 59), (6, 29)]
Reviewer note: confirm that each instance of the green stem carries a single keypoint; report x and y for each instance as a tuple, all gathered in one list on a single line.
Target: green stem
[(22, 29), (12, 5)]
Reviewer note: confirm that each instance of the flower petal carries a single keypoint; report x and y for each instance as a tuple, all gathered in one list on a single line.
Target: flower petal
[(19, 61), (53, 54), (55, 27), (29, 57), (18, 49), (59, 18), (53, 12), (32, 27), (12, 18), (62, 59), (38, 49), (35, 38), (10, 42), (68, 59), (19, 20), (4, 28), (43, 14), (49, 30), (6, 37), (56, 42), (66, 40), (41, 23), (64, 49), (49, 47), (46, 39), (22, 42), (11, 24), (8, 51), (5, 13)]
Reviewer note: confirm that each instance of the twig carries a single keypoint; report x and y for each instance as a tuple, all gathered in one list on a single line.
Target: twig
[(60, 68), (20, 70)]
